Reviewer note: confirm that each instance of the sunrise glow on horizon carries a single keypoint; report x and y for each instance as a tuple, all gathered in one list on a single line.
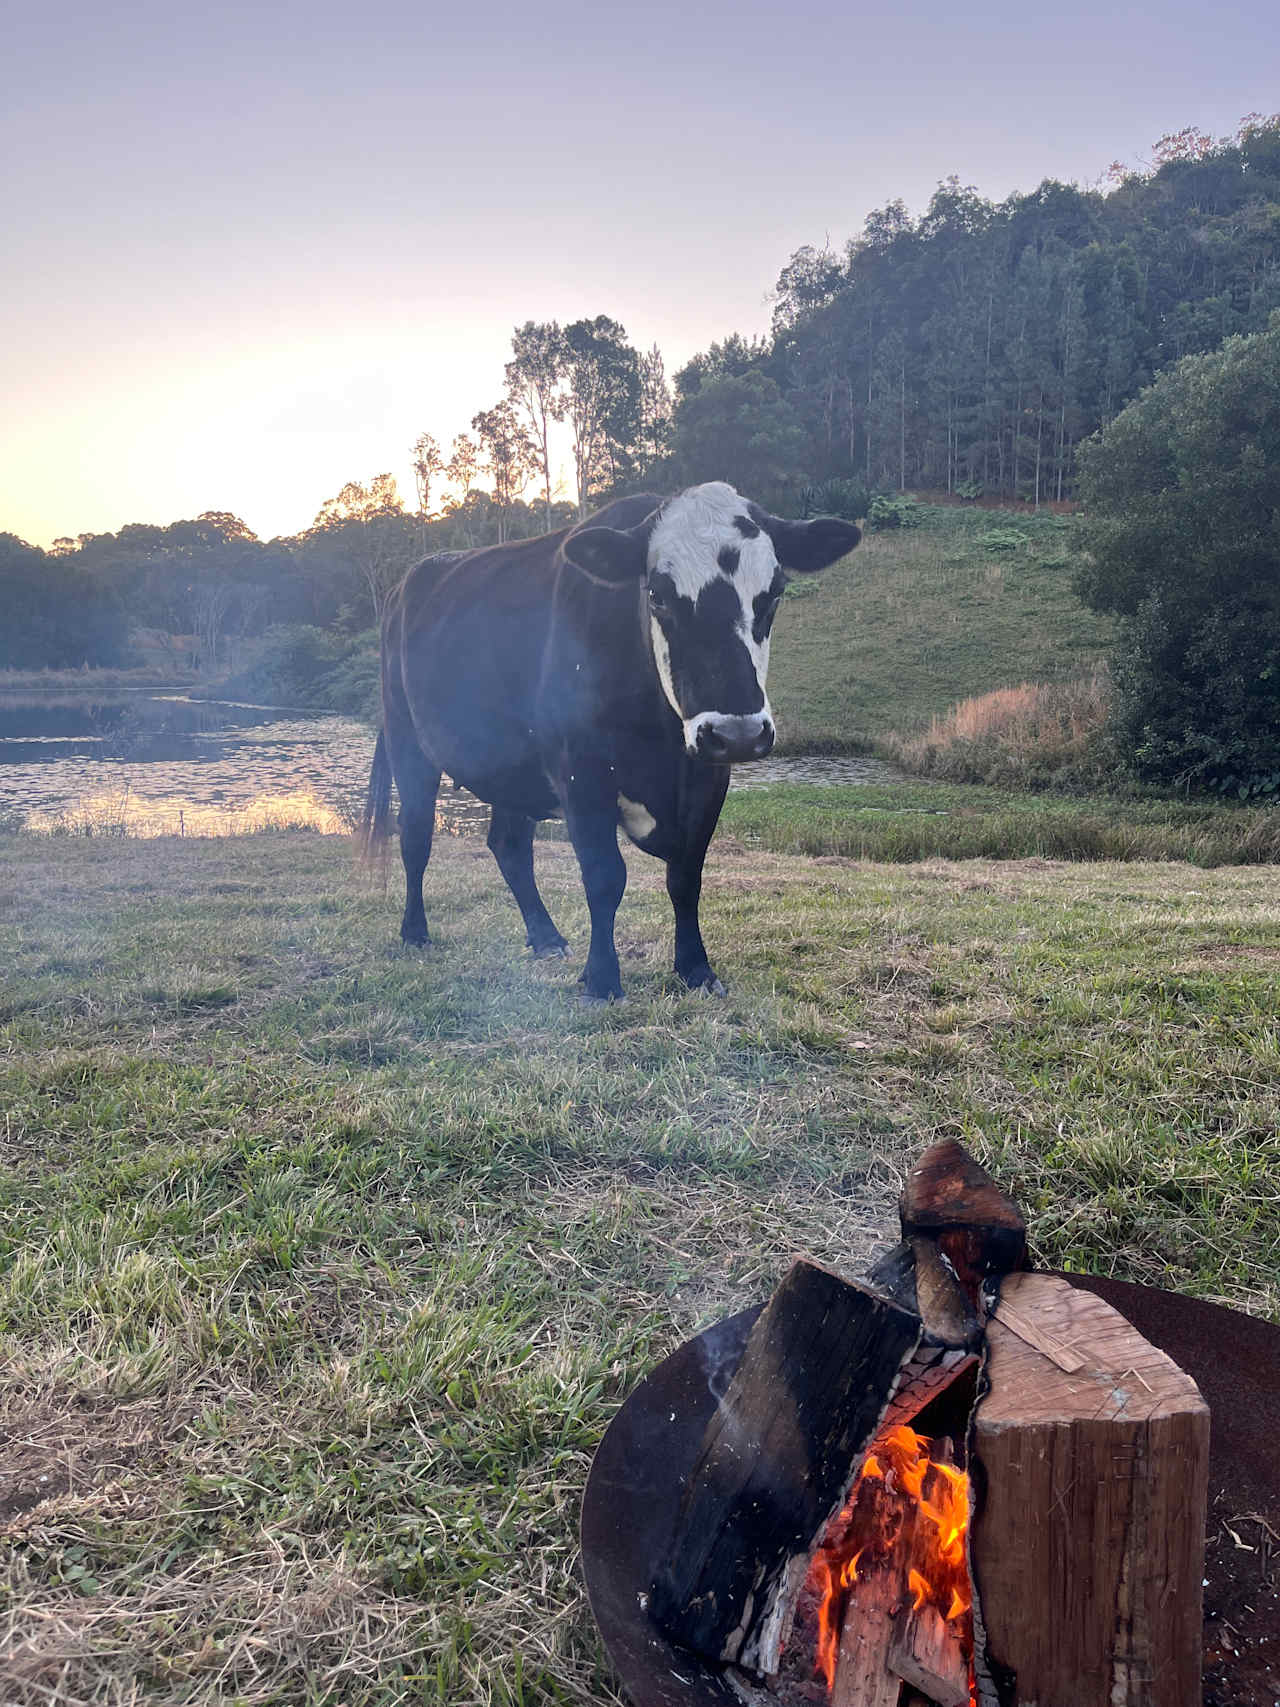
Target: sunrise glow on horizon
[(252, 255)]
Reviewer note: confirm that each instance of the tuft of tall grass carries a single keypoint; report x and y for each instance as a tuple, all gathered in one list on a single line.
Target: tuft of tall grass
[(1029, 736)]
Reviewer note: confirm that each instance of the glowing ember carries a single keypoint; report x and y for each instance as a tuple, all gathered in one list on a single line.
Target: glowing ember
[(907, 1513)]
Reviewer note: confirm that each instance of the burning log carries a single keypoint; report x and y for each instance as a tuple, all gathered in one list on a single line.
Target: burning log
[(929, 1655), (906, 1617), (777, 1460), (862, 1674), (1088, 1548)]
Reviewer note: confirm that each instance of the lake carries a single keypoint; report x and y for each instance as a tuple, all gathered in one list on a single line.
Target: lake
[(144, 763)]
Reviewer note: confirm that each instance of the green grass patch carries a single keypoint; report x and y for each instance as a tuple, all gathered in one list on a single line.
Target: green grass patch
[(914, 821), (917, 619), (324, 1263)]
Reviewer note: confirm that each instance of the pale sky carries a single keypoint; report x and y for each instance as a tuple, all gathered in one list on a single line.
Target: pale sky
[(252, 250)]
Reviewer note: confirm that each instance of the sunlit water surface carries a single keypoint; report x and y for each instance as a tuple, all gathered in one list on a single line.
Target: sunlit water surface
[(147, 764)]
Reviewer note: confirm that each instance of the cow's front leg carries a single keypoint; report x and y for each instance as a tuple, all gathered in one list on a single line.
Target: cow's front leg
[(593, 830), (684, 886), (702, 792)]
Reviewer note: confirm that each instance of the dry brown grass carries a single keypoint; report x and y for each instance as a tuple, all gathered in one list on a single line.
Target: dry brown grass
[(1036, 729)]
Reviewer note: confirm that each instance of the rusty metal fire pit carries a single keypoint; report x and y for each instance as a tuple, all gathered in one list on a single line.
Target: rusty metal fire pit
[(635, 1483)]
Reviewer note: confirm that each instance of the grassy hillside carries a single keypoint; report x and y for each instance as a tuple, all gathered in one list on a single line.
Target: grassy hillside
[(323, 1264), (918, 618)]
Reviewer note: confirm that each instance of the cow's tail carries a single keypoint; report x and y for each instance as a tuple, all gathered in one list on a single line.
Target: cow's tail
[(376, 820)]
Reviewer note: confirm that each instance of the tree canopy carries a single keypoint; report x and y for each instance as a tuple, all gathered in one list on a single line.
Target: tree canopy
[(1183, 528)]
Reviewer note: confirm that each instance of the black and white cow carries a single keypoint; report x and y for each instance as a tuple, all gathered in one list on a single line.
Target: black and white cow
[(609, 674)]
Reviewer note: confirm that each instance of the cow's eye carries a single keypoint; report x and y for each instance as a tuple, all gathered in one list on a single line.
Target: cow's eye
[(658, 603)]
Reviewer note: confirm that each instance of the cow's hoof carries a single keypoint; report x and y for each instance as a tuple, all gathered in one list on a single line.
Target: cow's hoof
[(704, 983), (415, 938), (551, 951), (592, 998)]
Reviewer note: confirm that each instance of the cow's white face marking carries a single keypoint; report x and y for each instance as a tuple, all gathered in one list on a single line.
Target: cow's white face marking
[(714, 582)]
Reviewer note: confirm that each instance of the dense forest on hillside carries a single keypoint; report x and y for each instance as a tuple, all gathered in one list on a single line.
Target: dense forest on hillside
[(974, 348), (967, 351)]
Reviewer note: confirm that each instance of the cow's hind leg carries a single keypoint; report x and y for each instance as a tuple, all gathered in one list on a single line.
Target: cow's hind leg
[(418, 782), (511, 844)]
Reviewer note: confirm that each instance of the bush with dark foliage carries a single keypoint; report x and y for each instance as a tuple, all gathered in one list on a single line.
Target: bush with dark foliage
[(1182, 492)]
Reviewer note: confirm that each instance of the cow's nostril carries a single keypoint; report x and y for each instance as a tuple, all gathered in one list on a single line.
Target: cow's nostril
[(712, 742)]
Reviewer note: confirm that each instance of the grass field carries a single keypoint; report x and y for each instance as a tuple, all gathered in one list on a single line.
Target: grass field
[(918, 619), (325, 1263), (914, 821)]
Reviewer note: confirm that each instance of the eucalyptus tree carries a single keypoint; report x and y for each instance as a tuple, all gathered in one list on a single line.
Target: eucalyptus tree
[(464, 463), (56, 612), (427, 463), (603, 386), (539, 355), (509, 456), (366, 526), (740, 428), (653, 438)]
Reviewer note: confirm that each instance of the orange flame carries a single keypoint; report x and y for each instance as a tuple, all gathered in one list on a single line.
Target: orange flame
[(913, 1489)]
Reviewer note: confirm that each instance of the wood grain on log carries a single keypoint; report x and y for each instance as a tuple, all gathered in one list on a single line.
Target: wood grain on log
[(863, 1677), (927, 1654), (944, 1309), (1088, 1547)]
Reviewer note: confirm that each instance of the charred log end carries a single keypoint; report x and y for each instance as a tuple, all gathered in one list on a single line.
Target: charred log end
[(951, 1199)]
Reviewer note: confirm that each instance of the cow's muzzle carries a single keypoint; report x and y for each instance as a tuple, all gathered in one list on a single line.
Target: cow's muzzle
[(733, 740)]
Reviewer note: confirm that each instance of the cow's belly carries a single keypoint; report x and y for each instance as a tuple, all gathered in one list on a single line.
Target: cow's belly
[(517, 788)]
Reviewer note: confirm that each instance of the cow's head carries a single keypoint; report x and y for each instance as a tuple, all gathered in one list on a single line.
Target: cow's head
[(714, 567)]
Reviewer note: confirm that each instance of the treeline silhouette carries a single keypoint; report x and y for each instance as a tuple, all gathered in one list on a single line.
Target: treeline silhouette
[(968, 351)]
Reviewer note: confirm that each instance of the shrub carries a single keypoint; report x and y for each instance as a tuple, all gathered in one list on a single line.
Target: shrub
[(1002, 539), (847, 498), (320, 668), (1183, 534), (895, 510)]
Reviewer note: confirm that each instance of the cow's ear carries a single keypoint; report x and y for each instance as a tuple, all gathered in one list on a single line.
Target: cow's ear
[(612, 555), (806, 547)]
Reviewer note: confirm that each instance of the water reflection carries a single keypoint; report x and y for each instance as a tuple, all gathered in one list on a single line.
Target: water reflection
[(150, 764), (133, 813)]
